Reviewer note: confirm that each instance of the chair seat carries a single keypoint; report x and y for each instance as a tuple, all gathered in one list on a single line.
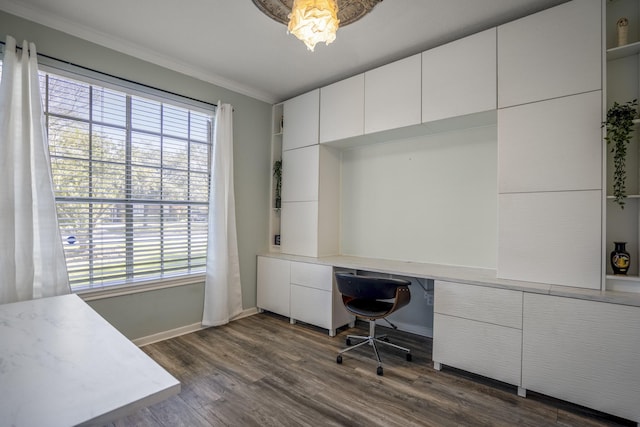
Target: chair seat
[(369, 308)]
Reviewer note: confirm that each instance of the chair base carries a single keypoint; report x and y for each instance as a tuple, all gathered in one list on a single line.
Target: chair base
[(373, 341)]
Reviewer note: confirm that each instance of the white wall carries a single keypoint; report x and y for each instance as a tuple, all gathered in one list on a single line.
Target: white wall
[(149, 313), (426, 199)]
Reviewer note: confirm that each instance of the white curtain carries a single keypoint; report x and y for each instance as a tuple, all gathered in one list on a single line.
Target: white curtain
[(222, 291), (32, 263)]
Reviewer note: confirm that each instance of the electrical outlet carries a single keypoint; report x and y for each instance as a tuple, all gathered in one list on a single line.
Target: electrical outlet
[(429, 298)]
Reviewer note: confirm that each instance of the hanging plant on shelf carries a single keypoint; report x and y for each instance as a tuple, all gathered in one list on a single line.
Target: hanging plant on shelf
[(619, 126), (277, 175)]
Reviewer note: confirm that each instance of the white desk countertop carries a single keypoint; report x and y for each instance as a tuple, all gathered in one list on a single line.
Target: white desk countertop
[(472, 276), (62, 364)]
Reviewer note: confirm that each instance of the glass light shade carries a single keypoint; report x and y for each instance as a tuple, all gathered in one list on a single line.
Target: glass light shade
[(314, 21)]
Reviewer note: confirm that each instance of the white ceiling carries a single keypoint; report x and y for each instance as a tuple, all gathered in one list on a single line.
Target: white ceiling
[(232, 44)]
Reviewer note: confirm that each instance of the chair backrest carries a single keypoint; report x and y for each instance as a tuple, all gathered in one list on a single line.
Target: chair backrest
[(365, 287)]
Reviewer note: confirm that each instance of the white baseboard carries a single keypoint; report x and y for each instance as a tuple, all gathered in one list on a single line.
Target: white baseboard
[(246, 313), (187, 329), (165, 335)]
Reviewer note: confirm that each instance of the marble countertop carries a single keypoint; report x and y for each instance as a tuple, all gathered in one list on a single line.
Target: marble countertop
[(62, 364), (473, 276)]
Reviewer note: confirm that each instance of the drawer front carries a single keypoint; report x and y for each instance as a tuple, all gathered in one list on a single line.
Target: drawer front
[(490, 350), (311, 306), (312, 275), (498, 306), (586, 352)]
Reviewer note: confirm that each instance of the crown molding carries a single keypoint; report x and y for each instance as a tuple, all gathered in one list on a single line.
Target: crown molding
[(134, 50)]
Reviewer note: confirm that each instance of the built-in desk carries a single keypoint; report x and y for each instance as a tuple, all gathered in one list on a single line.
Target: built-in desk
[(61, 364), (471, 276), (575, 344)]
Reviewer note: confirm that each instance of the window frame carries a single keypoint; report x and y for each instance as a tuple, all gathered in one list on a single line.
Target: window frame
[(132, 89)]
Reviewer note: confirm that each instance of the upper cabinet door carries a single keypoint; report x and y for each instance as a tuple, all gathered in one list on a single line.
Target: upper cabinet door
[(392, 95), (459, 78), (301, 120), (554, 145), (549, 54), (300, 174), (342, 109)]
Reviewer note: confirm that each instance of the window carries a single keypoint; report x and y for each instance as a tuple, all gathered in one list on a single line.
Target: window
[(131, 178)]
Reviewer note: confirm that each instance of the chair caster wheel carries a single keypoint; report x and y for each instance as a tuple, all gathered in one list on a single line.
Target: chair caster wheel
[(409, 358), (339, 360), (379, 371), (348, 342)]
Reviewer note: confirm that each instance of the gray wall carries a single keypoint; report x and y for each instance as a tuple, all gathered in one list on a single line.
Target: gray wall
[(152, 312)]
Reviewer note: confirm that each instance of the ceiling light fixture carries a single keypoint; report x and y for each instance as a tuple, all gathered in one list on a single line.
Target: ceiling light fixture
[(314, 21)]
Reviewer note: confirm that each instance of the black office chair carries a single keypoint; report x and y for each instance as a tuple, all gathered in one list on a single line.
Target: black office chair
[(372, 298)]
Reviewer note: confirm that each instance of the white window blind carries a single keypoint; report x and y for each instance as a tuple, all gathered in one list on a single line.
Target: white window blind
[(131, 180)]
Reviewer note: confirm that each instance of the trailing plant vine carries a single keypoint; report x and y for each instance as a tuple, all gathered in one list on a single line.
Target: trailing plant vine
[(619, 126), (277, 174)]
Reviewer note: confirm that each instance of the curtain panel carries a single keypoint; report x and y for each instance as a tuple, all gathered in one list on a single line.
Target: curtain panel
[(32, 262), (223, 291)]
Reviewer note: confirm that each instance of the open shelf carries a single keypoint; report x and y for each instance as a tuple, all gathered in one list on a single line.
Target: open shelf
[(629, 196), (623, 51), (623, 283), (622, 224), (623, 278), (277, 120)]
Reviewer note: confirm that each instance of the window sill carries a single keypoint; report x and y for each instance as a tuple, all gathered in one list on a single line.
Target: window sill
[(135, 288)]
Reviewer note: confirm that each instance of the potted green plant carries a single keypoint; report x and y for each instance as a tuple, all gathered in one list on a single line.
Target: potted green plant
[(277, 175), (619, 126)]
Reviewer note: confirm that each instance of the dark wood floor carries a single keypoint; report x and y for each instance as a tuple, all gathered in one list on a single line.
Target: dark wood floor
[(262, 371)]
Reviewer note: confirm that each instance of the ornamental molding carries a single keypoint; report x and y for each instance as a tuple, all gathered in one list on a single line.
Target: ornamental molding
[(349, 11)]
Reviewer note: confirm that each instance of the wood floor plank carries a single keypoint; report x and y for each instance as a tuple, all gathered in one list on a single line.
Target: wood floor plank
[(263, 371)]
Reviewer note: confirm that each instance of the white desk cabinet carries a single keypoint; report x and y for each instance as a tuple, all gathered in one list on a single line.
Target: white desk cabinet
[(299, 214), (459, 78), (549, 169), (392, 95), (552, 53), (315, 298), (301, 120), (586, 352), (311, 195), (302, 291), (273, 285), (478, 329), (342, 109)]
